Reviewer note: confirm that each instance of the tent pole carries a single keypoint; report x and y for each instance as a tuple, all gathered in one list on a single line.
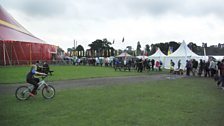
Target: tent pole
[(22, 51), (4, 53), (8, 56), (30, 56), (16, 55)]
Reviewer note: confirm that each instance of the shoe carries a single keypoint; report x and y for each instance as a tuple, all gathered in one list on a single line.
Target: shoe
[(34, 92), (31, 94)]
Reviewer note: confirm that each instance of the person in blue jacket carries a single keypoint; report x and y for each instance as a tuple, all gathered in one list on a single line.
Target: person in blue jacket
[(31, 79)]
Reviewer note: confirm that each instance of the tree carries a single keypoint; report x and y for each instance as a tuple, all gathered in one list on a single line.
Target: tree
[(100, 46), (147, 50), (138, 48), (80, 50), (69, 50), (153, 49), (129, 50), (193, 47), (174, 45)]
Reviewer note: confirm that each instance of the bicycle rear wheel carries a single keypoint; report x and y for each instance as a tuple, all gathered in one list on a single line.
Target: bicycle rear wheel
[(48, 92), (22, 93)]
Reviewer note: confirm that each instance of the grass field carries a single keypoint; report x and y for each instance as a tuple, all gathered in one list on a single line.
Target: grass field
[(17, 74), (181, 102)]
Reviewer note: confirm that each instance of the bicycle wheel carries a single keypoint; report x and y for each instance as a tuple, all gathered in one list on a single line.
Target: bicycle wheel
[(48, 92), (22, 93)]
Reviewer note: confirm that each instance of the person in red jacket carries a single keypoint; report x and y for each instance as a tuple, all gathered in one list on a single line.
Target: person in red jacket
[(157, 65)]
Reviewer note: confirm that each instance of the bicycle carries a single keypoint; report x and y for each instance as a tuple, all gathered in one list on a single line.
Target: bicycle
[(24, 92)]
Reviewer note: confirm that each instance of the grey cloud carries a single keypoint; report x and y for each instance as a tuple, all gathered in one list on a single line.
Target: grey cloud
[(185, 8), (108, 9), (39, 8)]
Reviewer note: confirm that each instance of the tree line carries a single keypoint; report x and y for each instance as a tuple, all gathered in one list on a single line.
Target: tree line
[(103, 48)]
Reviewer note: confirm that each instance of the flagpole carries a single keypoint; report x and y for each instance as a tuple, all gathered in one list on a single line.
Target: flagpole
[(185, 49), (204, 51)]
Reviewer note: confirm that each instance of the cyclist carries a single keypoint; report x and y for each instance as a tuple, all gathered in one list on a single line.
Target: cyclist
[(30, 78)]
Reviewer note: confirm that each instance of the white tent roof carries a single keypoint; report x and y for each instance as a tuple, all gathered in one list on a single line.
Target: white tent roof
[(183, 53), (158, 53), (183, 50), (124, 54)]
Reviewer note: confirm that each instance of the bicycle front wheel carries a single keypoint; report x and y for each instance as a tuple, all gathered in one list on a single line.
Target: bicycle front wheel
[(22, 93), (48, 92)]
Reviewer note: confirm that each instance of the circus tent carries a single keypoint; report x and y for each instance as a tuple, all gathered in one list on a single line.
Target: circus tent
[(18, 46)]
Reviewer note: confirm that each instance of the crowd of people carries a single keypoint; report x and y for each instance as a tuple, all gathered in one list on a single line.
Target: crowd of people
[(120, 62), (139, 64), (211, 68)]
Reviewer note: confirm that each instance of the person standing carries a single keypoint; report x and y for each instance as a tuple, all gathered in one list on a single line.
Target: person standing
[(188, 66), (172, 64), (222, 73), (160, 65), (149, 65), (140, 65), (206, 69), (157, 65), (178, 64), (213, 68), (194, 67), (153, 64), (201, 66)]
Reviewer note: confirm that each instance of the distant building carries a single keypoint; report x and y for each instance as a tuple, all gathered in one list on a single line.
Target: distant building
[(221, 45)]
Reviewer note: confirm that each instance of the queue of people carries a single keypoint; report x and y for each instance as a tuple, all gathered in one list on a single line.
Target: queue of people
[(210, 68), (140, 65)]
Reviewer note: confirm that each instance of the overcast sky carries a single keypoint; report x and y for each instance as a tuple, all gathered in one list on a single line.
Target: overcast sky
[(59, 22)]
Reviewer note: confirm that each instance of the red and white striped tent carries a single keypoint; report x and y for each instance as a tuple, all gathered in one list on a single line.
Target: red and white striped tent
[(18, 46)]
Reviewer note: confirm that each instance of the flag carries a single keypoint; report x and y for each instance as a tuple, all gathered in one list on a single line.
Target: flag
[(204, 52), (170, 50), (123, 39)]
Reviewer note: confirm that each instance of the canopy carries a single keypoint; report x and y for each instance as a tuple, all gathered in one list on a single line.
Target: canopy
[(11, 30), (19, 46), (124, 54), (183, 53), (158, 56)]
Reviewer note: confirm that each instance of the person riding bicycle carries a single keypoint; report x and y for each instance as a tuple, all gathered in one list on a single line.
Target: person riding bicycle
[(31, 79)]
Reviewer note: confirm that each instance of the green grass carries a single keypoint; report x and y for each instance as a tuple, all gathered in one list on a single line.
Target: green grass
[(17, 74), (182, 102)]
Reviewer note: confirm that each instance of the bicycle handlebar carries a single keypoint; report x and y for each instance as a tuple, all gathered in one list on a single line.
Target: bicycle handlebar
[(44, 76)]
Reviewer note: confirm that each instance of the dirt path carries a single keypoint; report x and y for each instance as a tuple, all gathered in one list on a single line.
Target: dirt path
[(68, 84)]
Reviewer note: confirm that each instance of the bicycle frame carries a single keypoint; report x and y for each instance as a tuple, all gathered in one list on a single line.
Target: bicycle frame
[(41, 84)]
